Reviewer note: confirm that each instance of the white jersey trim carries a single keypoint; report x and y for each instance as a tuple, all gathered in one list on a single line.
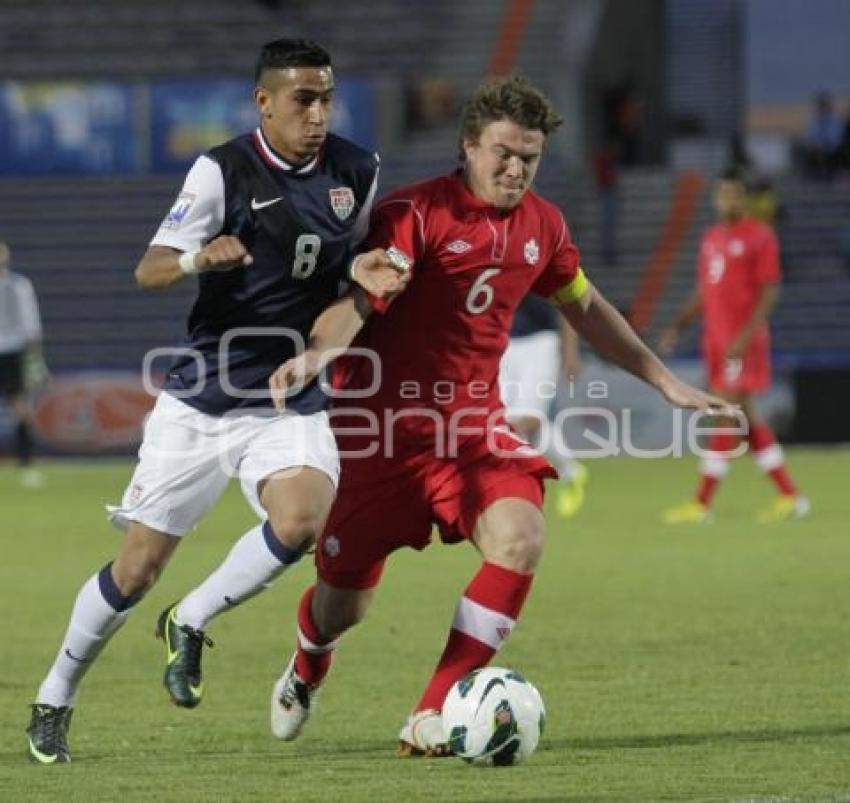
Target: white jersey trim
[(416, 212), (361, 225), (272, 157)]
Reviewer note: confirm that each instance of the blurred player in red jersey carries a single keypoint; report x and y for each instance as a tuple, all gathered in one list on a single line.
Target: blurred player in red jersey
[(737, 288), (427, 442)]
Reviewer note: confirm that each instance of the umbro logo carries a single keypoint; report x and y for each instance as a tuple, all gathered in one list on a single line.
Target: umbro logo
[(255, 204), (458, 246), (503, 632)]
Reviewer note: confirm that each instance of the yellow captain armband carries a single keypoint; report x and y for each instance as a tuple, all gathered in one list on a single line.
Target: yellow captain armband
[(573, 291)]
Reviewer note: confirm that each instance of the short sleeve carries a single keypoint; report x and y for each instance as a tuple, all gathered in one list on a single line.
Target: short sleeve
[(767, 259), (397, 223), (198, 212), (28, 308), (562, 279)]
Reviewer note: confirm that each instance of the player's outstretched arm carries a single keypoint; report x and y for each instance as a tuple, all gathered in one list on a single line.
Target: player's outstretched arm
[(332, 333), (611, 337), (161, 267)]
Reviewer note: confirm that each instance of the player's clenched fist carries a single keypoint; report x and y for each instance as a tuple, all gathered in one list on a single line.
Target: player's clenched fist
[(223, 253), (381, 273)]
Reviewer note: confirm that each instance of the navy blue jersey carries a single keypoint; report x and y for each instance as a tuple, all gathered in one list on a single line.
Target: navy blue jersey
[(534, 315), (301, 226)]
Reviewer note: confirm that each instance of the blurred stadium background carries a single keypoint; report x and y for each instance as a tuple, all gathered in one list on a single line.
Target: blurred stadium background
[(103, 106), (706, 665)]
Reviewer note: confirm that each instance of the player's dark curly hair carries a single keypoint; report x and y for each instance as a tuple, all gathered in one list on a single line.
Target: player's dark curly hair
[(510, 97), (281, 54)]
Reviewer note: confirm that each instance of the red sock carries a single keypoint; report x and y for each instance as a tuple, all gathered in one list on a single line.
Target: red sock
[(484, 618), (769, 456), (715, 466), (314, 654)]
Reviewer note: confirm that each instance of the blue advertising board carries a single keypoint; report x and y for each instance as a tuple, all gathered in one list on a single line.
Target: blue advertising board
[(78, 128), (66, 128)]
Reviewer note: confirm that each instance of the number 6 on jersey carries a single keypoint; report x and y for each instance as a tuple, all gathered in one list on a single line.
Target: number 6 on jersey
[(481, 294)]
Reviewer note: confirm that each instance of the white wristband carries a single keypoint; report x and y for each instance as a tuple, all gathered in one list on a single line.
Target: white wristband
[(351, 268), (187, 262)]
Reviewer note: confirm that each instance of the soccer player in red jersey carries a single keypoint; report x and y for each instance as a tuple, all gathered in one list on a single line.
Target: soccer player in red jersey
[(421, 431), (737, 288)]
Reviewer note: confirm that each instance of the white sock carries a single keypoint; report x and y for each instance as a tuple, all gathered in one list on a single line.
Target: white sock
[(93, 622), (565, 464), (255, 562)]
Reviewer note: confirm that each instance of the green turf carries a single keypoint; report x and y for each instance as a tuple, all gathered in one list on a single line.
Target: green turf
[(705, 663)]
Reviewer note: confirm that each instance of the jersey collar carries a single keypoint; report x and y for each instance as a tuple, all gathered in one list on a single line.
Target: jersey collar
[(271, 158)]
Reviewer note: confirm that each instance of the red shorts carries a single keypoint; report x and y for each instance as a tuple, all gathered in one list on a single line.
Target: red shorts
[(752, 374), (385, 503)]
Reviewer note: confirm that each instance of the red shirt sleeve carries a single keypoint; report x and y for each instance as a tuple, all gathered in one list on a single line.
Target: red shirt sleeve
[(397, 223), (563, 267), (767, 258)]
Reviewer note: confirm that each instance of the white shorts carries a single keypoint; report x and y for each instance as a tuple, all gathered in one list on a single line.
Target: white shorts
[(528, 374), (187, 459)]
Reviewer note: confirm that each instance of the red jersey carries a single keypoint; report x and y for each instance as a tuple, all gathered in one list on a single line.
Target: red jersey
[(735, 263), (440, 342)]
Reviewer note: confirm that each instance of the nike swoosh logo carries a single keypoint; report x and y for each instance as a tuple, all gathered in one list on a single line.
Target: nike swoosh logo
[(43, 758), (255, 204), (74, 657), (487, 689), (230, 601)]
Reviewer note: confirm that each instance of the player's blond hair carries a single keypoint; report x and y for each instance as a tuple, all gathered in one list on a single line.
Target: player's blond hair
[(510, 97)]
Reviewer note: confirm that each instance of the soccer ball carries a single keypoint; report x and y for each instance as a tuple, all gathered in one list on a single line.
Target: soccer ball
[(493, 717)]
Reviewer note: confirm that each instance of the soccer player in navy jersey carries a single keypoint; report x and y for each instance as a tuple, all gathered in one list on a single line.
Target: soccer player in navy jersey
[(269, 222)]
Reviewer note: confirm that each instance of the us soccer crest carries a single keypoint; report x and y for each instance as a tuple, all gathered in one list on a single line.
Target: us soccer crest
[(342, 201), (532, 252)]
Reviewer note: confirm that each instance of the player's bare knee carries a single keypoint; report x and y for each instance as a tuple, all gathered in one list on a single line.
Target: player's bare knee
[(518, 547), (143, 557), (297, 527), (137, 574)]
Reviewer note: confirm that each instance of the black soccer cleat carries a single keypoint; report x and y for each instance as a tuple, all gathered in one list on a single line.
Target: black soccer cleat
[(48, 734), (183, 647)]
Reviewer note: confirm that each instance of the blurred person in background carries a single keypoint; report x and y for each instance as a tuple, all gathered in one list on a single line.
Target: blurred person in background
[(737, 288), (542, 348), (22, 367), (823, 137)]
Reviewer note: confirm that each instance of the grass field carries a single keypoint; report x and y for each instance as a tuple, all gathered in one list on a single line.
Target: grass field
[(706, 663)]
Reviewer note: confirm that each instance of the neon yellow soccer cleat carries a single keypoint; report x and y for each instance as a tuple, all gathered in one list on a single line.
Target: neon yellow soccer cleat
[(784, 508), (692, 512), (569, 496)]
